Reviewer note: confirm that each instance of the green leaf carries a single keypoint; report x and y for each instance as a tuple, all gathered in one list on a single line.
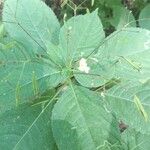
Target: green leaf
[(128, 52), (31, 22), (124, 54), (80, 35), (135, 140), (122, 17), (80, 120), (123, 101), (23, 77), (26, 127), (144, 18)]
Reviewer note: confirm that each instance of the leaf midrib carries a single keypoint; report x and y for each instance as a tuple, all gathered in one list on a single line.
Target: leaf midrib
[(87, 128)]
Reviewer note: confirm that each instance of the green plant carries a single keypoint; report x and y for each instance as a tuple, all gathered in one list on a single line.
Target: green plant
[(69, 87), (144, 18)]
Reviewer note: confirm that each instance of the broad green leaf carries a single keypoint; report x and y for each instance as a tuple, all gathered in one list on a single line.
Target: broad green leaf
[(128, 51), (80, 35), (124, 54), (144, 18), (26, 127), (80, 120), (135, 140), (130, 101), (122, 17), (24, 78), (31, 22)]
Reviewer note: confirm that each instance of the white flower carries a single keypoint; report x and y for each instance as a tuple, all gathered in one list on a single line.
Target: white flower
[(83, 65)]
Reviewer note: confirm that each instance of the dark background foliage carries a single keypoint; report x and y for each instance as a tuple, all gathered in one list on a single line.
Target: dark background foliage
[(105, 9)]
